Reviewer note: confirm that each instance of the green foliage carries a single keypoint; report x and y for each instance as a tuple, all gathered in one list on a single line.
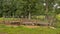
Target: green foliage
[(10, 8), (57, 24), (38, 17), (1, 19), (58, 17)]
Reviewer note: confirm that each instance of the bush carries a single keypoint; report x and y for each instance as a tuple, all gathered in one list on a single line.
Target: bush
[(38, 17), (58, 17)]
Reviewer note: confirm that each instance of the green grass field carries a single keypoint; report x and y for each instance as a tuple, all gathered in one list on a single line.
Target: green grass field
[(24, 30)]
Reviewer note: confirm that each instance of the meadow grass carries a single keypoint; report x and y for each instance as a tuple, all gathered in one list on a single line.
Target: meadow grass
[(25, 30)]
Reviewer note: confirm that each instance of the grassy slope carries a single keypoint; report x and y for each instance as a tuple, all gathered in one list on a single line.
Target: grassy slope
[(24, 30)]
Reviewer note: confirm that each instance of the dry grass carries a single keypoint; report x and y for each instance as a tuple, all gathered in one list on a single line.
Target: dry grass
[(31, 26)]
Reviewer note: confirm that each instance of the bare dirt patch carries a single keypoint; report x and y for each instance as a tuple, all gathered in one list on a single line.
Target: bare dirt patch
[(31, 26)]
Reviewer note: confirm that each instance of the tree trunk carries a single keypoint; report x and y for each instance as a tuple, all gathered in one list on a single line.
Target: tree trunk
[(29, 16), (46, 12), (47, 16), (47, 9)]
